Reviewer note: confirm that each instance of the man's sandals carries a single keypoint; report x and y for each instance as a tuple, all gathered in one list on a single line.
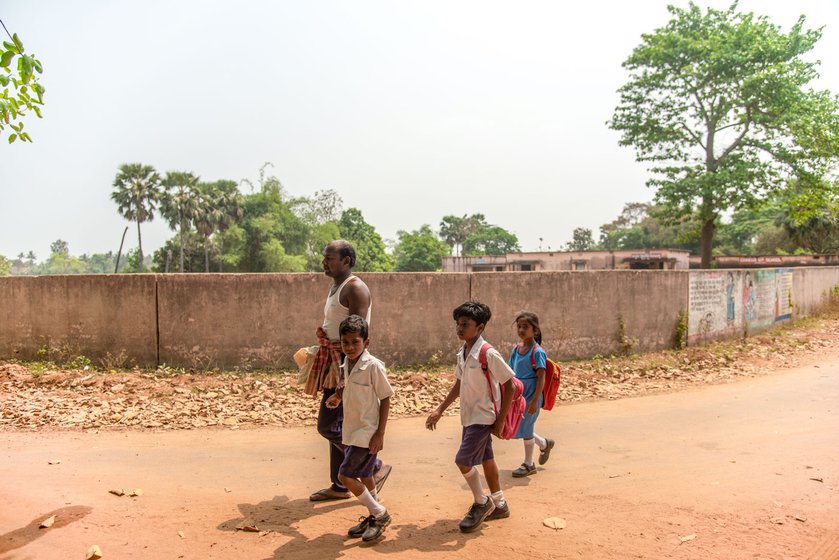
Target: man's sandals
[(328, 494)]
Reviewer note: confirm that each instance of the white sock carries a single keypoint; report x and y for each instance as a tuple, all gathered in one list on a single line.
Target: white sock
[(473, 479), (498, 498), (540, 441), (374, 507), (374, 493), (528, 451)]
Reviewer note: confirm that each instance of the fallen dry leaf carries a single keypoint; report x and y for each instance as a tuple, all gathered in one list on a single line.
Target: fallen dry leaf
[(47, 522), (54, 462), (117, 492), (227, 489), (136, 492), (248, 526), (555, 523), (817, 479), (800, 518), (181, 534), (687, 538), (93, 553), (777, 520)]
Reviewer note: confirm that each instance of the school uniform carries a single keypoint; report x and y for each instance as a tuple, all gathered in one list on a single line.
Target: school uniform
[(522, 365), (478, 401), (364, 389)]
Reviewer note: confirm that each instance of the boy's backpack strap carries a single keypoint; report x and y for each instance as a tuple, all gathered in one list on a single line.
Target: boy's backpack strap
[(482, 357)]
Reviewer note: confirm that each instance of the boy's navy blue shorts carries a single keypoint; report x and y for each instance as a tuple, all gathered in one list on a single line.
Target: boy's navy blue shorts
[(475, 445), (358, 462)]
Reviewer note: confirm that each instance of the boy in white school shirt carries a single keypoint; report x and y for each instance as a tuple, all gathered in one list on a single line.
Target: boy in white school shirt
[(366, 396), (477, 413)]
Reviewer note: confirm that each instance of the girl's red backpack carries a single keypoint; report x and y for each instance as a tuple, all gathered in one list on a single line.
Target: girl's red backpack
[(517, 407), (552, 378)]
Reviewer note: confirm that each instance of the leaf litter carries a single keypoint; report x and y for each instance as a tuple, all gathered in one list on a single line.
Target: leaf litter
[(163, 400)]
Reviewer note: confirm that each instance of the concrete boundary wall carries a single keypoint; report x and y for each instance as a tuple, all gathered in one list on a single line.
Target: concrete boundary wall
[(412, 315), (259, 320), (70, 315), (227, 320), (580, 312), (813, 289)]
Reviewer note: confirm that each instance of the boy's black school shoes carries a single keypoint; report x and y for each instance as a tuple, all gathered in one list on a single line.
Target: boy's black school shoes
[(476, 515), (375, 527), (357, 531), (500, 512)]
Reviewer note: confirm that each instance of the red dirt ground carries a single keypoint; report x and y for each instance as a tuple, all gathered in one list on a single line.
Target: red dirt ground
[(737, 471)]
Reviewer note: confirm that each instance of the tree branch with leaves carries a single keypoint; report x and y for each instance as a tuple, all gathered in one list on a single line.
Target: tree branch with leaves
[(20, 91)]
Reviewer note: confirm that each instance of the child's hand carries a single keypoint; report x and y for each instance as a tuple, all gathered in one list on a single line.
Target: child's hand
[(498, 427), (433, 418), (377, 442), (333, 402), (533, 406)]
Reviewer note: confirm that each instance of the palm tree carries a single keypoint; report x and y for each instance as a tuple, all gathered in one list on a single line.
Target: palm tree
[(179, 204), (232, 205), (207, 216), (136, 192), (220, 206)]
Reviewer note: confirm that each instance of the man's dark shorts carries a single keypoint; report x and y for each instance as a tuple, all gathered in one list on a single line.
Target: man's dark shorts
[(358, 462), (475, 445)]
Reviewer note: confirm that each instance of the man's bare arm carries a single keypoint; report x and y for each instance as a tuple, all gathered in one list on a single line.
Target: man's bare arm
[(357, 298)]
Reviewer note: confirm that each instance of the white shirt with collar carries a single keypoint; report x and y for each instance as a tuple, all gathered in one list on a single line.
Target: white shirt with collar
[(364, 388), (476, 401)]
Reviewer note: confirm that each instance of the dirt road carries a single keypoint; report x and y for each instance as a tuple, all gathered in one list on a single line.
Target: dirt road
[(750, 468)]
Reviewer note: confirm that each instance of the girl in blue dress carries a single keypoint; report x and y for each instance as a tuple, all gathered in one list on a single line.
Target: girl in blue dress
[(528, 361)]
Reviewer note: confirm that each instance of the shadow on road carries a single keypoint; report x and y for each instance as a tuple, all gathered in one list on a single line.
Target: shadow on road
[(28, 533), (283, 516)]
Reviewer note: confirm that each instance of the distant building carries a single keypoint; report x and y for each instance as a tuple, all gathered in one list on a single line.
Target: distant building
[(766, 261), (657, 259)]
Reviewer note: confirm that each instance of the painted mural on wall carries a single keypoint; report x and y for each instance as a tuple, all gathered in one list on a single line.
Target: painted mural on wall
[(714, 299), (725, 303)]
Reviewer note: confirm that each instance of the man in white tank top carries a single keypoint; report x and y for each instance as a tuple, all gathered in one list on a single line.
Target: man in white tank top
[(348, 295)]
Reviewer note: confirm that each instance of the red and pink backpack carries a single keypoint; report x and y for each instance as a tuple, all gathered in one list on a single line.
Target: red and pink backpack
[(552, 378), (518, 406)]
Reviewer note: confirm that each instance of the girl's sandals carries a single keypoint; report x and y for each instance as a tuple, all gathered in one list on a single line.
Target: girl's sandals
[(524, 470)]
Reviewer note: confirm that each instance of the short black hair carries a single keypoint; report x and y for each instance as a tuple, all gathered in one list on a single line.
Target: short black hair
[(475, 310), (354, 324), (344, 249)]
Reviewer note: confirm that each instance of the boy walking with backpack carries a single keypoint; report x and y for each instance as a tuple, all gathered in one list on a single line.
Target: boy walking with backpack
[(478, 390)]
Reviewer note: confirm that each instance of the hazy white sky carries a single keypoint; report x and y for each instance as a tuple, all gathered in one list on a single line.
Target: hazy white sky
[(411, 110)]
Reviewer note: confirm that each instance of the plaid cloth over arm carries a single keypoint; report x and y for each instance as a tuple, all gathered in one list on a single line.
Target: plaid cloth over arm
[(324, 373)]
